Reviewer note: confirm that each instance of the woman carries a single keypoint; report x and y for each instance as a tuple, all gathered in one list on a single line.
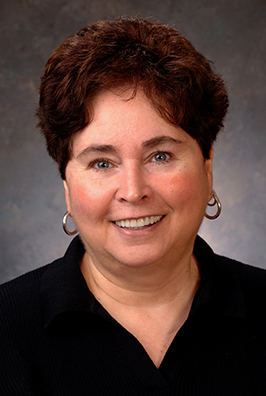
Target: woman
[(139, 304)]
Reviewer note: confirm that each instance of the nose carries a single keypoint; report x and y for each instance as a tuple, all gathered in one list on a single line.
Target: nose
[(133, 185)]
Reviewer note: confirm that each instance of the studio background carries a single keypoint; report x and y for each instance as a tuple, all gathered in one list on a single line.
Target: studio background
[(231, 33)]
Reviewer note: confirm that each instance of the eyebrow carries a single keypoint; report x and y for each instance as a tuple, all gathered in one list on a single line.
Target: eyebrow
[(150, 143), (156, 141), (101, 148)]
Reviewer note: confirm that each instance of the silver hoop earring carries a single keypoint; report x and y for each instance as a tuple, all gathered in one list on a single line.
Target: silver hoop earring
[(214, 201), (64, 221)]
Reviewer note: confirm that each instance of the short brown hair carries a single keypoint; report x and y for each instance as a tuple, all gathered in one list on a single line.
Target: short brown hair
[(177, 79)]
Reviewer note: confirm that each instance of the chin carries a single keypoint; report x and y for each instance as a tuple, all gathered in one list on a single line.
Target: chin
[(138, 259)]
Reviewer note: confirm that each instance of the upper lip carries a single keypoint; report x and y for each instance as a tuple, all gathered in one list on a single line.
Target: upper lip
[(136, 218)]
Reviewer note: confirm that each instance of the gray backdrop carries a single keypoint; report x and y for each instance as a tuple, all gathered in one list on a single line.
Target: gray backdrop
[(231, 33)]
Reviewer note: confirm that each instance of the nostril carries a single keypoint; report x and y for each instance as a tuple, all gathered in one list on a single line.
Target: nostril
[(133, 198), (133, 186)]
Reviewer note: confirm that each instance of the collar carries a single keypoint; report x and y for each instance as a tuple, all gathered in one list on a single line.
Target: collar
[(219, 284), (63, 289)]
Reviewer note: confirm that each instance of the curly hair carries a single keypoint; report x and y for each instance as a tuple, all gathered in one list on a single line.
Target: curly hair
[(178, 81)]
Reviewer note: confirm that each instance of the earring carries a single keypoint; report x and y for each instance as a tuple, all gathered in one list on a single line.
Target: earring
[(64, 221), (217, 202)]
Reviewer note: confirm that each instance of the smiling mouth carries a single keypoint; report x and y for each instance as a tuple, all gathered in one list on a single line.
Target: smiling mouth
[(137, 224)]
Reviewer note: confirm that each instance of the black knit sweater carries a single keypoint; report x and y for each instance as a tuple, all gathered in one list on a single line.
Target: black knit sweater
[(57, 340)]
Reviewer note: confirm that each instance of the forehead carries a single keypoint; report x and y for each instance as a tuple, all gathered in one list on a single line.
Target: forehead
[(125, 106), (121, 116)]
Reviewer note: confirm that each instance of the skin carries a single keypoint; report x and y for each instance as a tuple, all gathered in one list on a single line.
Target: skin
[(129, 163)]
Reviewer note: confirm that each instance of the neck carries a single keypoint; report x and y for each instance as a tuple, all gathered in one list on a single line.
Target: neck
[(151, 305), (142, 287)]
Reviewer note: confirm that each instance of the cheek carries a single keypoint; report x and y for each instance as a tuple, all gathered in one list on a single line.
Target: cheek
[(88, 199), (184, 187), (178, 184)]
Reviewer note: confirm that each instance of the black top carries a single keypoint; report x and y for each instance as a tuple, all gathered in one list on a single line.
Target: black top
[(57, 340)]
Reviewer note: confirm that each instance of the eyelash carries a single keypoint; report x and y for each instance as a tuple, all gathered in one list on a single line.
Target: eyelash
[(97, 161), (169, 155), (93, 164), (165, 161)]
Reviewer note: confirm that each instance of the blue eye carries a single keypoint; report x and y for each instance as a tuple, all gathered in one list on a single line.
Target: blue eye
[(161, 157), (102, 164)]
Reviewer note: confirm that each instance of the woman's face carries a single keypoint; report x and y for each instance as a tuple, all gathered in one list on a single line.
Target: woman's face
[(136, 186)]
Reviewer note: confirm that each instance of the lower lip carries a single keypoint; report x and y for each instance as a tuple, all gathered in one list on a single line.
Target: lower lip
[(141, 231)]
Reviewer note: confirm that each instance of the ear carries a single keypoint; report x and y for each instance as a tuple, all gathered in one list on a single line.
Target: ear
[(208, 167), (67, 199)]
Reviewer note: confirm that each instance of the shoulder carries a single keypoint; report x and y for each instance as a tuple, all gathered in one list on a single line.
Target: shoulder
[(30, 297), (24, 285), (250, 281), (26, 288), (248, 275), (19, 298), (21, 287), (239, 288)]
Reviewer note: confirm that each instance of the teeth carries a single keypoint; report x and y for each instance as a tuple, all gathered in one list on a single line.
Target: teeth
[(138, 223)]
